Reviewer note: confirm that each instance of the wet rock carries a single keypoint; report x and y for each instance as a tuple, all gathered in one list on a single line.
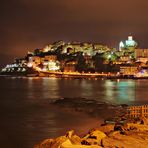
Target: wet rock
[(126, 141), (119, 127), (45, 144), (55, 143), (73, 138), (94, 137), (70, 140), (68, 144), (136, 136), (137, 127), (144, 120), (107, 128), (118, 131)]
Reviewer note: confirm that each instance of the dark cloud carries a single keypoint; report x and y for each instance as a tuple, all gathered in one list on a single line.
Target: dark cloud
[(28, 24)]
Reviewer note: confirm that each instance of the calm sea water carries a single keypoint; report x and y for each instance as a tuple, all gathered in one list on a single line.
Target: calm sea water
[(26, 117)]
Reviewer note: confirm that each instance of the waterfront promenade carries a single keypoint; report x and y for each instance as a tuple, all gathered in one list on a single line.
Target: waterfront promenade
[(88, 75)]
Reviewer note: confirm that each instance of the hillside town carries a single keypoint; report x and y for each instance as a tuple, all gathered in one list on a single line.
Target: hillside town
[(83, 58)]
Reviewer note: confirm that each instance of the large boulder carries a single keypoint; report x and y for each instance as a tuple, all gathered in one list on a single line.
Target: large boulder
[(56, 143), (94, 137), (106, 128), (52, 143)]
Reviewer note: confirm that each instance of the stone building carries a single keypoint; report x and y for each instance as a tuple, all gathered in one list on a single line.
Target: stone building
[(141, 55), (52, 58), (128, 70), (138, 111), (70, 66)]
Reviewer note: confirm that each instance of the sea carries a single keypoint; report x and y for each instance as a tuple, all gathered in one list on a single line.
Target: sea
[(27, 117)]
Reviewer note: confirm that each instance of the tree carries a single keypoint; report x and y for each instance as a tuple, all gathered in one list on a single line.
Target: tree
[(37, 52), (98, 62), (81, 66)]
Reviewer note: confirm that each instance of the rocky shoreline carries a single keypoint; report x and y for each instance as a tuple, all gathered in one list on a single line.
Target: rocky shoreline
[(108, 136), (117, 130)]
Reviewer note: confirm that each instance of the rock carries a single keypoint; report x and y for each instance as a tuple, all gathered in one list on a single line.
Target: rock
[(94, 137), (126, 141), (122, 128), (137, 127), (144, 120), (107, 128), (58, 142), (73, 138), (52, 143), (45, 144), (70, 140), (136, 136), (68, 144)]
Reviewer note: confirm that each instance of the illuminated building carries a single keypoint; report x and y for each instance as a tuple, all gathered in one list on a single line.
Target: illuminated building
[(70, 50), (89, 61), (70, 66), (50, 58), (138, 111), (47, 48), (125, 59), (130, 43), (121, 45), (142, 73), (33, 61), (53, 66), (141, 55), (128, 70)]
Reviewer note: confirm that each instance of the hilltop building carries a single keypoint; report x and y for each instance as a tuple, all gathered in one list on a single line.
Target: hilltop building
[(128, 44)]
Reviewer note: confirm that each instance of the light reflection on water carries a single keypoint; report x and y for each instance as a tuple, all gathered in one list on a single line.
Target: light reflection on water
[(120, 91), (114, 91)]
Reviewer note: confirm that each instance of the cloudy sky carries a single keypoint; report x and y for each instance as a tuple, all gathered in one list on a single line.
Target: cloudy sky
[(29, 24)]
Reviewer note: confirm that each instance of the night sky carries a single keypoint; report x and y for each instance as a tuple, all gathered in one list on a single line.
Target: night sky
[(29, 24)]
